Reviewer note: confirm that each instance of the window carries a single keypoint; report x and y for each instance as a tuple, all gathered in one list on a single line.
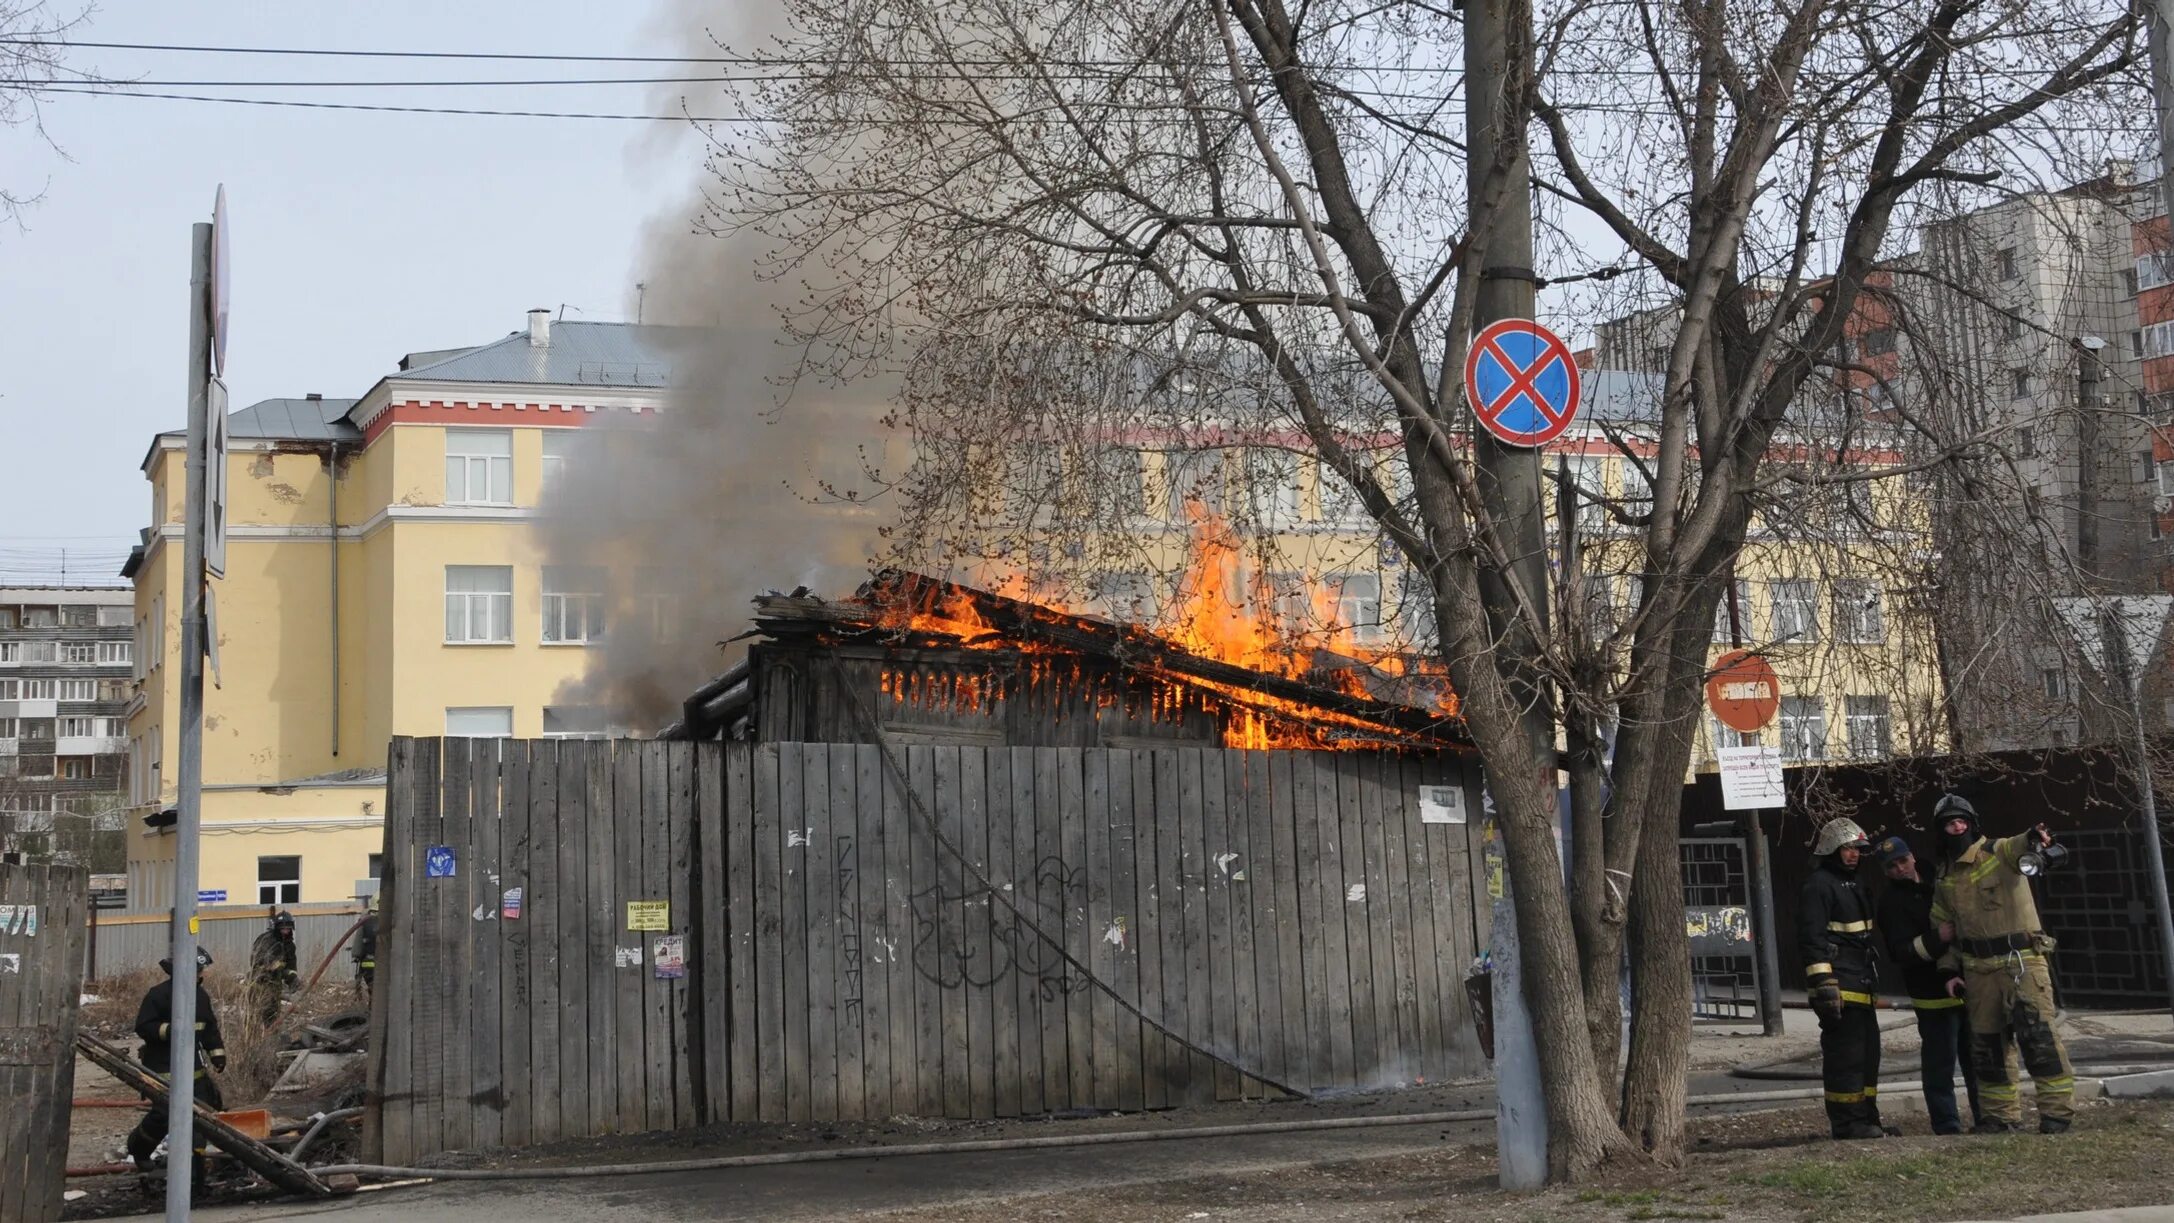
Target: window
[(279, 880), (1728, 736), (1723, 632), (1637, 490), (77, 727), (558, 448), (11, 651), (478, 603), (114, 615), (2019, 384), (479, 466), (2128, 282), (1122, 482), (72, 768), (37, 728), (2136, 345), (575, 722), (1877, 342), (2004, 263), (11, 690), (1338, 501), (2152, 270), (78, 690), (2163, 476), (2026, 441), (112, 690), (1271, 478), (116, 653), (1870, 737), (573, 604), (79, 615), (40, 689), (40, 617), (377, 866), (7, 728), (2159, 339), (1358, 605), (1192, 476), (2054, 682), (1796, 611), (1803, 728), (41, 651), (7, 617), (1129, 597), (2011, 326), (2147, 469), (1858, 615), (479, 722)]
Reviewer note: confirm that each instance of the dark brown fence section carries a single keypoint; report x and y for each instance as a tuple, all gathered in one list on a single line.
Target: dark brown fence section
[(946, 931), (44, 931)]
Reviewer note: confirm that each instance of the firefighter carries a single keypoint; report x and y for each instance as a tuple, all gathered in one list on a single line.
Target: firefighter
[(1842, 973), (1983, 905), (366, 947), (1934, 977), (272, 965), (154, 1022)]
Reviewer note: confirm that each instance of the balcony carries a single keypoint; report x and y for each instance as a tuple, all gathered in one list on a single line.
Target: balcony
[(9, 746), (89, 745), (29, 709)]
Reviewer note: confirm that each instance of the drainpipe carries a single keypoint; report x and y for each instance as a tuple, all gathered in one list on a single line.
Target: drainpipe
[(332, 463)]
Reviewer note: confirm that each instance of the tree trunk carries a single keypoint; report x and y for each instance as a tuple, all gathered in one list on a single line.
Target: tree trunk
[(1596, 917), (1654, 1086)]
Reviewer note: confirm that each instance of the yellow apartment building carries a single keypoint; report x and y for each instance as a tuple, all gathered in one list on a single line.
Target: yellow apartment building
[(383, 578)]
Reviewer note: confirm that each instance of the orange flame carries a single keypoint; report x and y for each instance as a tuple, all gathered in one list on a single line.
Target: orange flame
[(1221, 615)]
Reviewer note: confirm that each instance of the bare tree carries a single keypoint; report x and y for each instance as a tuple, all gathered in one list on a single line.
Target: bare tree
[(31, 54), (1085, 229)]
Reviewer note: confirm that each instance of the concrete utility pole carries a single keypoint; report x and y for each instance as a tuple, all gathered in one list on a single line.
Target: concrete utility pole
[(2132, 668), (1497, 59), (181, 1081)]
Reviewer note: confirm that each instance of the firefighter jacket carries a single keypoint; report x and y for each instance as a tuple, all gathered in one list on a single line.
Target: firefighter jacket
[(1912, 937), (1834, 932), (1990, 902), (154, 1022), (272, 960)]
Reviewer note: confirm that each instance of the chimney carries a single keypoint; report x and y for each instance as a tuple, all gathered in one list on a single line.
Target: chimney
[(315, 396), (539, 328)]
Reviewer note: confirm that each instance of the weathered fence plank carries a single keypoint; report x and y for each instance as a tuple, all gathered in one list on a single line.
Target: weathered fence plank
[(793, 920), (1155, 1049), (1101, 956), (954, 899), (846, 949), (1002, 873), (1121, 937), (485, 1097), (1216, 942), (771, 970), (1236, 898), (1026, 947), (871, 869), (44, 946), (540, 913), (708, 992), (899, 949), (514, 1003), (574, 917), (665, 880), (928, 957), (733, 1042), (607, 933), (984, 917), (822, 968), (625, 976)]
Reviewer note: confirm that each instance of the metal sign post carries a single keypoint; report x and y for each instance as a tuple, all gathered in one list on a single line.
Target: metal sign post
[(1744, 694), (199, 492)]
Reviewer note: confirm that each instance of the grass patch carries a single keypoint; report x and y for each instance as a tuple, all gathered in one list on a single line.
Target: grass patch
[(1621, 1197)]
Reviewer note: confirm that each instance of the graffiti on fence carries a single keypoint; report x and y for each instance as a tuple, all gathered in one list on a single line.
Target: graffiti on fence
[(849, 933), (967, 935)]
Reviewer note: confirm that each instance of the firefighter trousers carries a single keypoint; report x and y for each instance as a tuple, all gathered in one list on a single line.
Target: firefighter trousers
[(149, 1132), (2012, 998), (1849, 1047)]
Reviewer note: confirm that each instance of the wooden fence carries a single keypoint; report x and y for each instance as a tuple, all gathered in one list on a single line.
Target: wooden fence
[(43, 929), (1012, 931)]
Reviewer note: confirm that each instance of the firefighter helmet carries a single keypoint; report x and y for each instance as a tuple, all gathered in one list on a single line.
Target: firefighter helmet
[(1835, 834)]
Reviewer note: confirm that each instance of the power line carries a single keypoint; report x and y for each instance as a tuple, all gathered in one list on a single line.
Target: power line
[(410, 110)]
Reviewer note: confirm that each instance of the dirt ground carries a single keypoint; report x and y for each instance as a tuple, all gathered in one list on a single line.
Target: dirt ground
[(1759, 1167)]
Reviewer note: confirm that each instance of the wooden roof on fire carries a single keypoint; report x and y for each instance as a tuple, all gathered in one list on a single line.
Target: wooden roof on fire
[(1389, 702)]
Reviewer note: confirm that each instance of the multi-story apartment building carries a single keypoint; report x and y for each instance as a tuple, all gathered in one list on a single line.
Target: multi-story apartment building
[(66, 663), (383, 578)]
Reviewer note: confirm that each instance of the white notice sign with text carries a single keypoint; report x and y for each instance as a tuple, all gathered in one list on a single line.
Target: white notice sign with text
[(1441, 805), (1751, 778)]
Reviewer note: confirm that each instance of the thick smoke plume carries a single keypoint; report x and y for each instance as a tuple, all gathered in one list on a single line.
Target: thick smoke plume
[(738, 488)]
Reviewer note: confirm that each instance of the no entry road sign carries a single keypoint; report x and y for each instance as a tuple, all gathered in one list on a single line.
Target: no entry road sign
[(1743, 691), (1521, 382)]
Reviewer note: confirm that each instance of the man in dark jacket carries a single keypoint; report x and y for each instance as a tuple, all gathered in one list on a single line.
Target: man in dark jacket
[(1934, 978), (154, 1024), (1842, 974)]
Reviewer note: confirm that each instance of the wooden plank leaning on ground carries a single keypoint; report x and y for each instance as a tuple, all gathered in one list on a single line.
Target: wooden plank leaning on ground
[(254, 1155)]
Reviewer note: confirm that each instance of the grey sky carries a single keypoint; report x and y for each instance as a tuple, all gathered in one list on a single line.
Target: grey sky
[(357, 236)]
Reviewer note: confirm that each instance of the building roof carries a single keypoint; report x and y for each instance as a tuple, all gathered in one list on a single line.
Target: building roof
[(311, 420), (579, 354)]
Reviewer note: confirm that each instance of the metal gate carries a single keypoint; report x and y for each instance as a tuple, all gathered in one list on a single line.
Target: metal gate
[(1717, 913), (2099, 909)]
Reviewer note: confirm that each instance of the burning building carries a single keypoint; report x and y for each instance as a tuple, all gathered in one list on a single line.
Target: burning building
[(933, 662)]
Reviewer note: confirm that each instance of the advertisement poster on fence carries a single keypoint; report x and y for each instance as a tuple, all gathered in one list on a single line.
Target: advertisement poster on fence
[(671, 957)]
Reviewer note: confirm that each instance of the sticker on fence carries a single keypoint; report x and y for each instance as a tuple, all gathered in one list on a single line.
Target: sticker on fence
[(30, 923), (1356, 893), (10, 962), (438, 862), (649, 915), (7, 919), (671, 957), (627, 957), (510, 904)]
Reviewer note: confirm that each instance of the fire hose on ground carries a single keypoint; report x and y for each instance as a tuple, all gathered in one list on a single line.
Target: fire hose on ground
[(970, 1146)]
